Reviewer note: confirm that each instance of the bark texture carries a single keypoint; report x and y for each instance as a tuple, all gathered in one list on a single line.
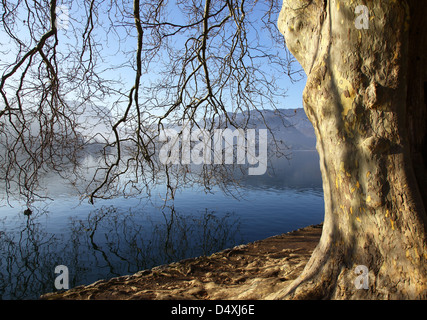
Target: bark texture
[(365, 96)]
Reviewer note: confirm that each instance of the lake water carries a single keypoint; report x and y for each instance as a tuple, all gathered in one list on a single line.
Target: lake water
[(122, 236)]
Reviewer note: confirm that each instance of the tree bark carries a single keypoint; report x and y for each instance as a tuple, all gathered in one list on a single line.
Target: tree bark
[(366, 98)]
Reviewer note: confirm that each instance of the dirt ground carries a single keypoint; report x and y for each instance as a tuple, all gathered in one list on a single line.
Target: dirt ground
[(253, 271)]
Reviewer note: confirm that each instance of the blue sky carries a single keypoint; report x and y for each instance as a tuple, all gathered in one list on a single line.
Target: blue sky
[(113, 56), (112, 53)]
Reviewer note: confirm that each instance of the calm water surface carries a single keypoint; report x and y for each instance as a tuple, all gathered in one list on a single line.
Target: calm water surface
[(122, 236)]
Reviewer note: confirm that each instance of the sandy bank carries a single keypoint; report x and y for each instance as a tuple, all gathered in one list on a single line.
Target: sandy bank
[(253, 271)]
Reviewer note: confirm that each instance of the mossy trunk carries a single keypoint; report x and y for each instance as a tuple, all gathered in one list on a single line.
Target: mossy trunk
[(365, 96)]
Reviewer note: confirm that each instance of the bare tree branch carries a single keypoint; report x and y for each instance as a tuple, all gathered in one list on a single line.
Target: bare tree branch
[(133, 68)]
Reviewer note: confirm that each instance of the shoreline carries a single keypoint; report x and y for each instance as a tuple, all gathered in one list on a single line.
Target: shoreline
[(252, 271)]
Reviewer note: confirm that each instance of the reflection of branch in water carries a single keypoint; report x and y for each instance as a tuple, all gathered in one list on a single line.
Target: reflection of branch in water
[(93, 225), (28, 256), (130, 242), (194, 235), (168, 247), (108, 243), (102, 233)]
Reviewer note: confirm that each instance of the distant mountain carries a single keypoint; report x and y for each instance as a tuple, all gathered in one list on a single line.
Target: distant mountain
[(290, 126)]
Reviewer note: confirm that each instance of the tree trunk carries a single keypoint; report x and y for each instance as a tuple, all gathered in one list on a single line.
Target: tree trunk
[(365, 96)]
